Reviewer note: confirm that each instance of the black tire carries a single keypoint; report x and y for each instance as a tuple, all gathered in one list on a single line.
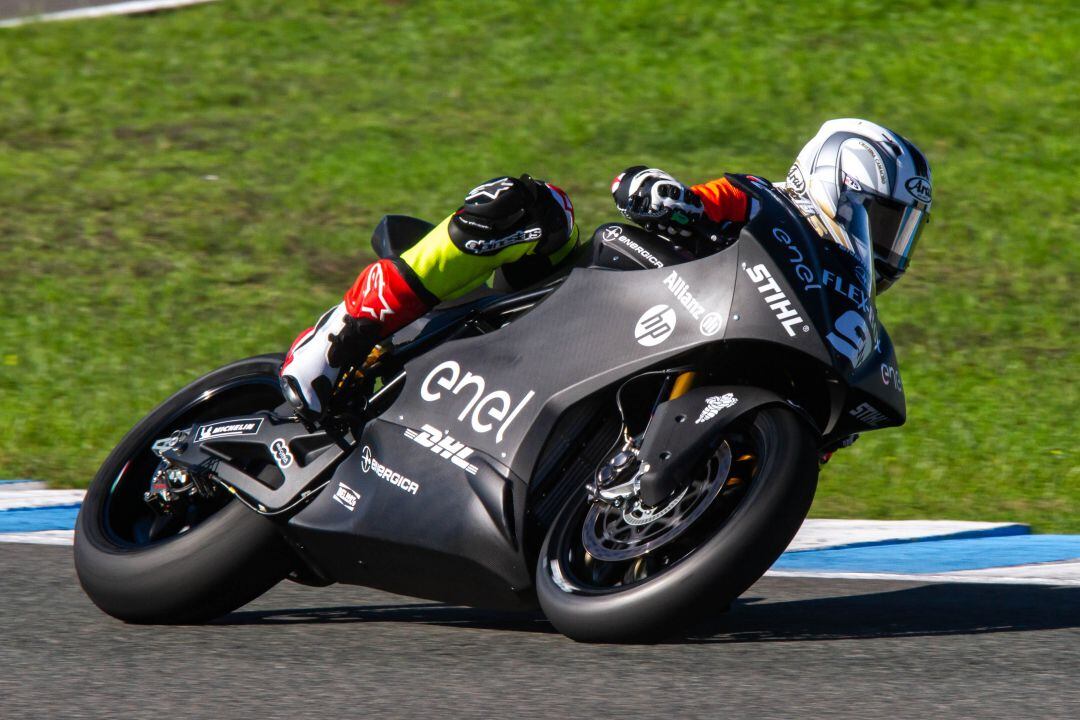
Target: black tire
[(728, 560), (222, 560)]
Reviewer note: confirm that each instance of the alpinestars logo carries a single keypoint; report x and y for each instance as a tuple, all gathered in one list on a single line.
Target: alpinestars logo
[(490, 190), (443, 445), (481, 247), (374, 289), (714, 404)]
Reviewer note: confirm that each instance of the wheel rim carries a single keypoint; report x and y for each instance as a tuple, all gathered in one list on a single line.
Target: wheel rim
[(126, 519), (629, 557), (622, 533)]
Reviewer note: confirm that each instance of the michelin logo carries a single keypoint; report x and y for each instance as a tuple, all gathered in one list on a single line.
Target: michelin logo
[(228, 428)]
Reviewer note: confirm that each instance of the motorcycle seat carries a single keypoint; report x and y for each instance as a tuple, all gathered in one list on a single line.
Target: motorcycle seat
[(397, 233)]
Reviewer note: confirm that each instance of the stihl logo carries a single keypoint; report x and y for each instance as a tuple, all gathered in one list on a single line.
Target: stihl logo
[(777, 300), (444, 445)]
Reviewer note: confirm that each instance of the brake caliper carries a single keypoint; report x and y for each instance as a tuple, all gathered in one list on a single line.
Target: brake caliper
[(171, 483)]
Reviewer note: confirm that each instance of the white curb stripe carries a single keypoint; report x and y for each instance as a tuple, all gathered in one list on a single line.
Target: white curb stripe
[(11, 499), (41, 537), (120, 8), (1048, 574)]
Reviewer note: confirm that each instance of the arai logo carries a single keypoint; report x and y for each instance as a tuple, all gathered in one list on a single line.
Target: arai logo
[(795, 179), (919, 187), (655, 325)]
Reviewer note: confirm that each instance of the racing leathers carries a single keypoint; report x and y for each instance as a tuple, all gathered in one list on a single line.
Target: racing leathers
[(658, 202), (520, 225)]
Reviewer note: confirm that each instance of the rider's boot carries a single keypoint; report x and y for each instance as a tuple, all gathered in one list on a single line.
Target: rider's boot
[(380, 302), (319, 354)]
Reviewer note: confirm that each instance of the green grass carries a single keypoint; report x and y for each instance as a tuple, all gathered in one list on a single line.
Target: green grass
[(184, 189)]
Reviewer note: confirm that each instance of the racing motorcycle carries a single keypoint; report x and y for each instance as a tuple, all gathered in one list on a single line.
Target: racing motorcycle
[(628, 445)]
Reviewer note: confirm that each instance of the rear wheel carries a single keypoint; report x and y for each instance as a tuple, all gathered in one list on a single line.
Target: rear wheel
[(609, 574), (207, 557)]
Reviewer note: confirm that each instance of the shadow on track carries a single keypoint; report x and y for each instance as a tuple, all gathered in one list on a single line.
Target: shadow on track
[(940, 609), (420, 613), (927, 610)]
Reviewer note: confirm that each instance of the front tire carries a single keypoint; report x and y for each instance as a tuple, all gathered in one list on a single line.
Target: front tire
[(734, 551), (219, 557)]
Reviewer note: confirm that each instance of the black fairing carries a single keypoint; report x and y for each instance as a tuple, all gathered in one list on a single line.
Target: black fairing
[(830, 292), (778, 297), (618, 246)]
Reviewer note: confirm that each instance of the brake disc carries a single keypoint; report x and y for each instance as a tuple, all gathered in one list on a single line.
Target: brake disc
[(613, 534)]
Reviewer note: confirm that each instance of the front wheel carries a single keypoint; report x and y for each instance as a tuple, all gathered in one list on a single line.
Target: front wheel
[(197, 562), (619, 575)]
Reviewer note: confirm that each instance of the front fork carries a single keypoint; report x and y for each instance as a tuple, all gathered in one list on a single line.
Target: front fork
[(620, 477)]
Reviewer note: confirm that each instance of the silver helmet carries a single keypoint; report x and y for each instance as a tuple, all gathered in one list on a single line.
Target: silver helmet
[(869, 187)]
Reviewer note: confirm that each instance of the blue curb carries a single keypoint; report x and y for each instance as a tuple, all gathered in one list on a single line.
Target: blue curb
[(54, 517), (937, 556), (1002, 531)]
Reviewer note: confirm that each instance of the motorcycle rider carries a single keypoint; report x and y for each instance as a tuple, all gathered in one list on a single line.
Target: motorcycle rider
[(855, 183)]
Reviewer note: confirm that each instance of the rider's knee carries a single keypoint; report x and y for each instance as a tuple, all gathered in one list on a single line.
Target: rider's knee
[(507, 211)]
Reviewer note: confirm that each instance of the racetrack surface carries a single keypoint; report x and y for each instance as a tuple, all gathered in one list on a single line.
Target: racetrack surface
[(791, 647)]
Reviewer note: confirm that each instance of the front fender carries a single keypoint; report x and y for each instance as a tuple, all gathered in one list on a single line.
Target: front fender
[(687, 427)]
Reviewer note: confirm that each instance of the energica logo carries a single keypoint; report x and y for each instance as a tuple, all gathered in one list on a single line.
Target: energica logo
[(655, 325), (613, 232), (368, 463)]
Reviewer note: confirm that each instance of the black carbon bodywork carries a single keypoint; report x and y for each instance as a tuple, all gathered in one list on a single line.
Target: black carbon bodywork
[(434, 496)]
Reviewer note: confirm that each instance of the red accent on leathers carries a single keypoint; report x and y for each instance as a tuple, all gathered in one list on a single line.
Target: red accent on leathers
[(297, 341), (564, 202), (722, 200), (382, 294)]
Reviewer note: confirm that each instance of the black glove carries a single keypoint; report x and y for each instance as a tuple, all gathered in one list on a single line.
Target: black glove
[(506, 211), (656, 201)]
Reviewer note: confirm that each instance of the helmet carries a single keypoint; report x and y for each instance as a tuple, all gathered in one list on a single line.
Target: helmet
[(869, 187)]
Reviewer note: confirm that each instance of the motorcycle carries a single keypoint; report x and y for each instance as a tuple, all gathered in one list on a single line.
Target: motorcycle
[(627, 445)]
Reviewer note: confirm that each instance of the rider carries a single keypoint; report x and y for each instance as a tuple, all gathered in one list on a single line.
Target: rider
[(854, 182)]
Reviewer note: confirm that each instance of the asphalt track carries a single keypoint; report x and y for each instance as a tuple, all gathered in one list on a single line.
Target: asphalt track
[(791, 647)]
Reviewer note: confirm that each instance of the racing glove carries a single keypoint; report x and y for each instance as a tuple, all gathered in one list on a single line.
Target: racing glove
[(656, 201)]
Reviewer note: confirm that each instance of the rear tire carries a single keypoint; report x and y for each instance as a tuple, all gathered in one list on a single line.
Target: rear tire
[(227, 557), (706, 579)]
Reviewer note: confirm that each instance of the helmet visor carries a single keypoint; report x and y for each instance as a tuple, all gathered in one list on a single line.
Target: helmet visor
[(890, 227)]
